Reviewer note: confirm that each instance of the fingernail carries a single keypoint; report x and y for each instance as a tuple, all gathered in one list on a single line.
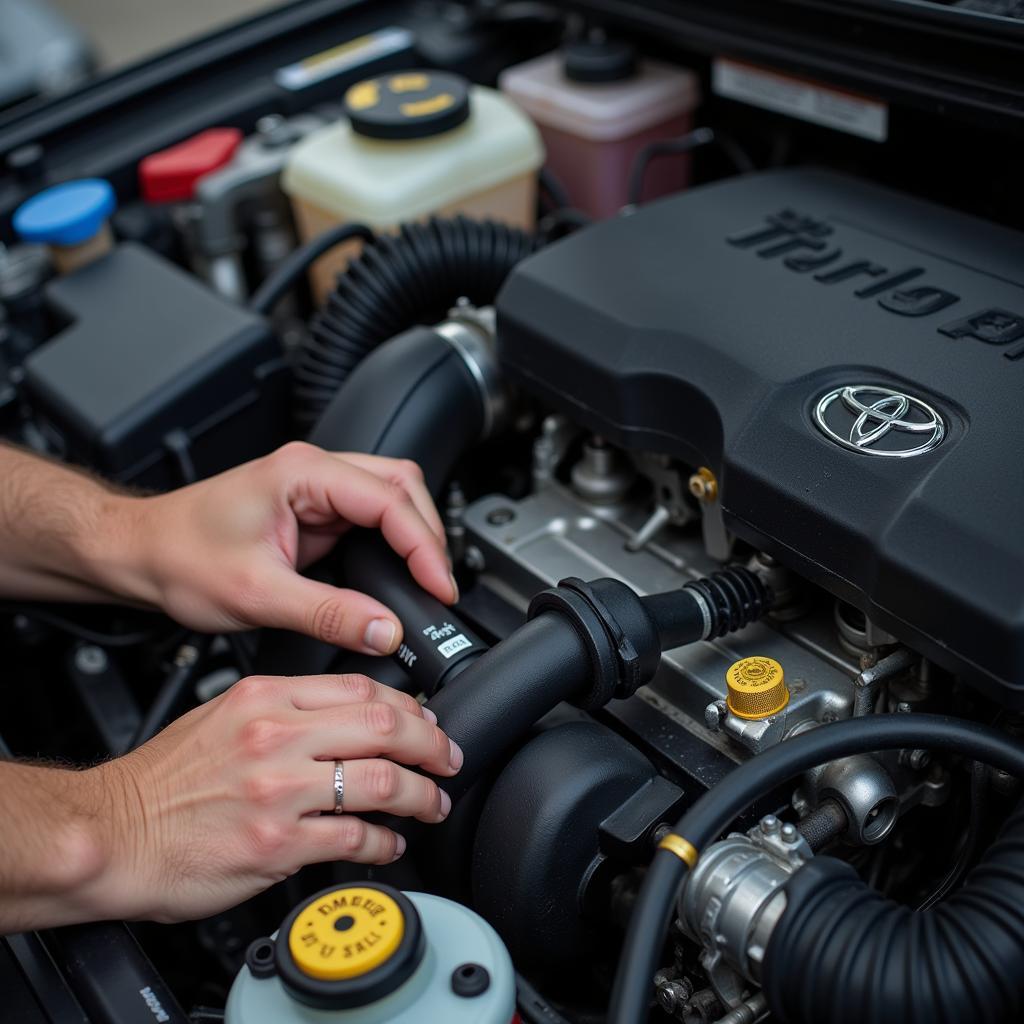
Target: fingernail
[(455, 587), (446, 804), (399, 848), (380, 636), (430, 716), (457, 757)]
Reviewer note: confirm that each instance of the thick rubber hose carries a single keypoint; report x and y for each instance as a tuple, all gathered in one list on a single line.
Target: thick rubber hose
[(713, 812), (400, 281), (489, 706), (411, 398), (842, 953)]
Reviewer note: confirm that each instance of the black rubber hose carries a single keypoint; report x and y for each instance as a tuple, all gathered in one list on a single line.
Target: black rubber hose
[(759, 776), (412, 398), (273, 289), (842, 953), (491, 705), (436, 643), (397, 282)]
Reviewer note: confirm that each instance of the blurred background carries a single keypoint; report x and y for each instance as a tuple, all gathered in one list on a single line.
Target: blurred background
[(48, 47), (122, 31)]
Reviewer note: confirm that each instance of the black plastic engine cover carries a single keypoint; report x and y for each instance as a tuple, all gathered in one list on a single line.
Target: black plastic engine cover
[(713, 325)]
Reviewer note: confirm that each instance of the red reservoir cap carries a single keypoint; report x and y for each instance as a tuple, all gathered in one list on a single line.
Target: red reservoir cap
[(171, 175)]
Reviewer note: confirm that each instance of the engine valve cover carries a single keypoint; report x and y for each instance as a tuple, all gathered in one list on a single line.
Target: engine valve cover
[(848, 361)]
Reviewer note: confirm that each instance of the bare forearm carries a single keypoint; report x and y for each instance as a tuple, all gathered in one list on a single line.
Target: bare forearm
[(56, 831), (63, 534)]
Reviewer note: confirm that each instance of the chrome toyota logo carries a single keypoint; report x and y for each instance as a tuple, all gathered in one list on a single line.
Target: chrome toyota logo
[(874, 420)]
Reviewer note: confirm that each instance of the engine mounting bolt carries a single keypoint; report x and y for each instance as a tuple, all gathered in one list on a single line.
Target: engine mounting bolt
[(714, 715), (789, 833), (770, 824), (90, 659), (703, 485)]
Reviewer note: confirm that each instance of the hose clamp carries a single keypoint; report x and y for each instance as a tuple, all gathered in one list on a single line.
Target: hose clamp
[(471, 332)]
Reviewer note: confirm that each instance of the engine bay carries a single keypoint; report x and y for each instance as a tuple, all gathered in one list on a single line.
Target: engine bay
[(723, 422)]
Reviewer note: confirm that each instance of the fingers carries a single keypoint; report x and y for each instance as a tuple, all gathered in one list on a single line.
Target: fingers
[(372, 784), (314, 693), (341, 837), (364, 499), (404, 473), (345, 618), (380, 730)]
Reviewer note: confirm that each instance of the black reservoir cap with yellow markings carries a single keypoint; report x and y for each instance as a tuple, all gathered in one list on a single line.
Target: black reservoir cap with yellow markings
[(408, 104), (348, 946)]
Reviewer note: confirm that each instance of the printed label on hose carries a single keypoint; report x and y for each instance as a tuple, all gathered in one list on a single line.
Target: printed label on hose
[(446, 640), (346, 57), (452, 647)]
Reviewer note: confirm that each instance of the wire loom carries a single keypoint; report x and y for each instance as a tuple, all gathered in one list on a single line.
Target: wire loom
[(397, 282)]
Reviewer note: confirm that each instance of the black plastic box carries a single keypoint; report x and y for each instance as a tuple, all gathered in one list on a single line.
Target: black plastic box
[(152, 361)]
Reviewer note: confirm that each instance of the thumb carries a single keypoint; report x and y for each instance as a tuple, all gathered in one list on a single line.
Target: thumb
[(345, 618)]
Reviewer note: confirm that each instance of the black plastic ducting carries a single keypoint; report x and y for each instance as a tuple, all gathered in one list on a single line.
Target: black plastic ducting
[(537, 842)]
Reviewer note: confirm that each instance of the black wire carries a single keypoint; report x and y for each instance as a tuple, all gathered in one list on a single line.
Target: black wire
[(684, 144), (91, 636), (711, 814), (284, 277), (969, 843)]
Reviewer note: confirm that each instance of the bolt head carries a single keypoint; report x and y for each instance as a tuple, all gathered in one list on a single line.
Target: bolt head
[(714, 715), (672, 995), (770, 824)]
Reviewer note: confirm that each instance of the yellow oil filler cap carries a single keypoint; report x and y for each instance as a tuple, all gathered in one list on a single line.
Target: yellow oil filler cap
[(349, 946), (757, 688), (346, 933)]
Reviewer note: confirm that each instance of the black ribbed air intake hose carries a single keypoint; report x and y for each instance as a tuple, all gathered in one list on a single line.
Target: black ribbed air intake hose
[(397, 282), (844, 954)]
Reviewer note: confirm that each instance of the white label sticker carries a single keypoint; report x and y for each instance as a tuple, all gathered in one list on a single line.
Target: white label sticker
[(352, 54), (453, 646), (799, 97)]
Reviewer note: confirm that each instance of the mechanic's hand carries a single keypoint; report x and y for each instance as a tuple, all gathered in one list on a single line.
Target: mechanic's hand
[(222, 554), (225, 801)]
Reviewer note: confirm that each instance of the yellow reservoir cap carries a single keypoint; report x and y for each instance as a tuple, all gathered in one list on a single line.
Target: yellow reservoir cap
[(757, 688), (346, 933)]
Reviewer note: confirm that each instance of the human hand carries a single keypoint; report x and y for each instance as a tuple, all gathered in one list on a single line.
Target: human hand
[(223, 554), (225, 801)]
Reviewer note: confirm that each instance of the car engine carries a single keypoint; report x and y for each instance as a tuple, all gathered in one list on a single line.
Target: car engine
[(732, 490)]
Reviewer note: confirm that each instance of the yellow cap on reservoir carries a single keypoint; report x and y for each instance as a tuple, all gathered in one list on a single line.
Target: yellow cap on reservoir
[(346, 933), (757, 688)]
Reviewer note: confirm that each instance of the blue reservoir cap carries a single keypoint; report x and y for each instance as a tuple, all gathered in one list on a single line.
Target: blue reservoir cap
[(66, 214)]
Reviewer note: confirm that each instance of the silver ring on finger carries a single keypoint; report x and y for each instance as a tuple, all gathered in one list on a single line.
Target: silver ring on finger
[(339, 787)]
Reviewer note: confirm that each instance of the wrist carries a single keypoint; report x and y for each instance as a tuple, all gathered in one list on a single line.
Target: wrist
[(117, 557), (106, 823)]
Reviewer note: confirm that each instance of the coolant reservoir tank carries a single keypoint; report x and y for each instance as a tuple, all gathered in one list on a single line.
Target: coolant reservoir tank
[(369, 954), (415, 144)]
